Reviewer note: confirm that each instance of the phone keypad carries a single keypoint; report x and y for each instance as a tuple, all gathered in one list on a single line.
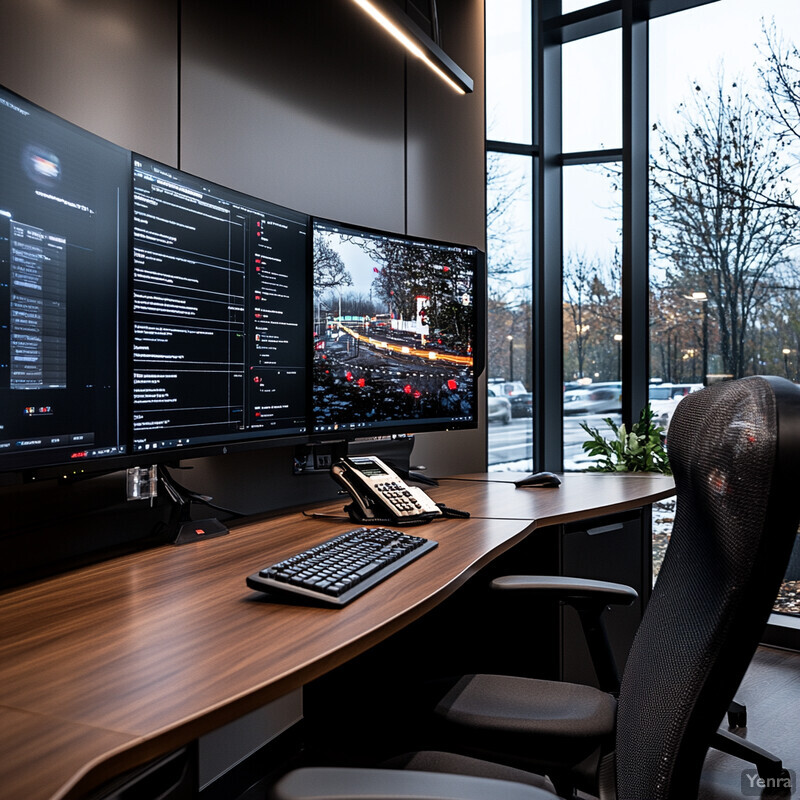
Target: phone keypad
[(400, 497)]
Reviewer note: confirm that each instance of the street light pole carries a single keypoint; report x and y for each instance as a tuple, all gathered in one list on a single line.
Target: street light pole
[(786, 352), (702, 297), (705, 341), (618, 340), (510, 358)]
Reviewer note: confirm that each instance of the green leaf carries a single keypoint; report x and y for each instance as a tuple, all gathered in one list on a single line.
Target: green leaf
[(641, 450)]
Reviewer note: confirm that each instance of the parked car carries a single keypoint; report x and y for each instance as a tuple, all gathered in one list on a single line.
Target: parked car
[(508, 388), (593, 400), (498, 407), (664, 399), (521, 405)]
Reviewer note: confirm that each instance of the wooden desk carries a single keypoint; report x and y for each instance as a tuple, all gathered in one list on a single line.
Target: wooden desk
[(580, 496), (107, 667)]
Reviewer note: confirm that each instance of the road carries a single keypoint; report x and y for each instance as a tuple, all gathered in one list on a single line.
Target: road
[(514, 442)]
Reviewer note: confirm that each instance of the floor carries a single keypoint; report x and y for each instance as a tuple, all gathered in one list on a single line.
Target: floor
[(771, 692)]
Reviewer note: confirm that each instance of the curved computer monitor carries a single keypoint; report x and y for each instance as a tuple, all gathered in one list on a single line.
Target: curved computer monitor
[(397, 332), (219, 316), (64, 196)]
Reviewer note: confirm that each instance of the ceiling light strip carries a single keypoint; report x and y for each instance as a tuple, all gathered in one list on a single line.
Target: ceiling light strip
[(419, 44)]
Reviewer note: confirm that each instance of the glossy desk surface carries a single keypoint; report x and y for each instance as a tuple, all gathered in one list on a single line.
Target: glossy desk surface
[(109, 666)]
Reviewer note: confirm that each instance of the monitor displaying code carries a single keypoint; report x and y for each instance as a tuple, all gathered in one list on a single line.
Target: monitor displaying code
[(219, 308)]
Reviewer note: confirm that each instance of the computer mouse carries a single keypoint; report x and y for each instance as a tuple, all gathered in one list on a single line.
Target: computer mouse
[(539, 479)]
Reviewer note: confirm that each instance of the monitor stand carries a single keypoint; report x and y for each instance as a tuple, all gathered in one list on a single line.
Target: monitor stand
[(181, 528), (194, 529)]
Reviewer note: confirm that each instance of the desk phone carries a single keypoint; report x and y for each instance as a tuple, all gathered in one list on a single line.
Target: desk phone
[(379, 494)]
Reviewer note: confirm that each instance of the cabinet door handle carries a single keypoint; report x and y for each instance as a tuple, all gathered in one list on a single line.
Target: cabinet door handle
[(615, 526)]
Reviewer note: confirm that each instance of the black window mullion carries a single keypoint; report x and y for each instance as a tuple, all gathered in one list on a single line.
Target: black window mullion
[(591, 157), (635, 217), (513, 148), (548, 435)]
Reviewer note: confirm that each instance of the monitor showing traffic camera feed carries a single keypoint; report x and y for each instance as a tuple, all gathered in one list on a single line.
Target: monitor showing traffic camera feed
[(64, 195), (395, 332)]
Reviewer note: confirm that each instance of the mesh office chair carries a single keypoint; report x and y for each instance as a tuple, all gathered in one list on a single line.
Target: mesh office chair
[(735, 453)]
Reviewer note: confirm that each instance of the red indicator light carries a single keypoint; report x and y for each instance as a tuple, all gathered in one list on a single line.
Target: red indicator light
[(80, 454), (407, 389), (417, 395), (452, 385), (361, 382), (199, 531), (348, 375)]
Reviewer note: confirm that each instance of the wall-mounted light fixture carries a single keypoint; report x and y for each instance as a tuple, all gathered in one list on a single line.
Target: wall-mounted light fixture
[(417, 42)]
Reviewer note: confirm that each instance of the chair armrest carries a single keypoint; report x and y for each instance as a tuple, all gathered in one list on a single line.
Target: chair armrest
[(589, 598), (576, 591), (338, 783)]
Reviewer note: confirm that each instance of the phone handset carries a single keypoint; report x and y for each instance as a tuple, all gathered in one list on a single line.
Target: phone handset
[(379, 494)]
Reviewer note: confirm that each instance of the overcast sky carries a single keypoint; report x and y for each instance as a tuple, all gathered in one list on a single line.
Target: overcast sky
[(686, 48)]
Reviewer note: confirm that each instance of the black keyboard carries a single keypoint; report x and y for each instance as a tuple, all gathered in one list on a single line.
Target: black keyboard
[(339, 570)]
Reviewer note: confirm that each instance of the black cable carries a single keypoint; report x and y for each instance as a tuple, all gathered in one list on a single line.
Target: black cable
[(452, 513), (474, 480), (183, 496)]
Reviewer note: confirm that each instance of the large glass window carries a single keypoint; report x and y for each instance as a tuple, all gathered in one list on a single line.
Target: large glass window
[(509, 196), (725, 148), (724, 227), (509, 233), (591, 90), (591, 304), (509, 96)]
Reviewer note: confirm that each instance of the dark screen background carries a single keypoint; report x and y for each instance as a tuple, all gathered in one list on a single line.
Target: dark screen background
[(219, 313), (73, 186)]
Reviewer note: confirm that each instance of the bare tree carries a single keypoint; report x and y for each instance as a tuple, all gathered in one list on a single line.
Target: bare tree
[(329, 269), (579, 275), (509, 269), (503, 189), (781, 79), (676, 340), (709, 222)]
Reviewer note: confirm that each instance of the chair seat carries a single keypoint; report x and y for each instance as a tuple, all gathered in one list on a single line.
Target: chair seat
[(525, 721), (453, 764)]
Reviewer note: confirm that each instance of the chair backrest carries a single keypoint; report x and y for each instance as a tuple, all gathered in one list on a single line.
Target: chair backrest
[(735, 450)]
